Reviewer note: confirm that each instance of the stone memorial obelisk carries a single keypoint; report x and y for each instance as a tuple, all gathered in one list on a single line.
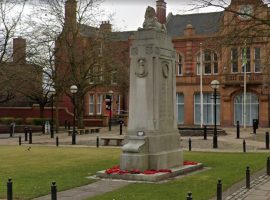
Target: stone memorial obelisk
[(153, 137)]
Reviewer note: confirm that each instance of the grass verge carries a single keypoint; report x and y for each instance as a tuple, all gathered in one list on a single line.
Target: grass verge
[(230, 167), (32, 172)]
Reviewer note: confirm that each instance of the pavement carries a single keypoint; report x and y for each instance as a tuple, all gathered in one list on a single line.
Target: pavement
[(260, 186)]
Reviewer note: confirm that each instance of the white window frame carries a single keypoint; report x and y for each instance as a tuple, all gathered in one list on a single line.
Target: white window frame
[(119, 104), (99, 104), (91, 103), (260, 59), (248, 60), (233, 60), (212, 62), (180, 104), (180, 62), (113, 73), (91, 78)]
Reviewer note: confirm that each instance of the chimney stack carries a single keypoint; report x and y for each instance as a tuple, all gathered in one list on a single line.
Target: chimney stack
[(19, 50), (70, 15), (161, 11), (105, 27)]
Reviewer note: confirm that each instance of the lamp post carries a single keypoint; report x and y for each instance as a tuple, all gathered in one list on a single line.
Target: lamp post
[(73, 90), (52, 93), (215, 85), (110, 114)]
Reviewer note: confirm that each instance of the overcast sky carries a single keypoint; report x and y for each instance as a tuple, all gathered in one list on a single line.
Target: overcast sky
[(129, 14)]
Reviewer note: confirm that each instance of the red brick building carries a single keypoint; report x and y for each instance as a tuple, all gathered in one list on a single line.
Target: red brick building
[(85, 56), (222, 37)]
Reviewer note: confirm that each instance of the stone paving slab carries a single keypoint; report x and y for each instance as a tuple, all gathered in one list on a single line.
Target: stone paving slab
[(87, 191), (260, 190)]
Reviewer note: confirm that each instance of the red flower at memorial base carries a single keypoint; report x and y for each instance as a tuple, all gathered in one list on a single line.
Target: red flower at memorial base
[(116, 170), (113, 170), (190, 163)]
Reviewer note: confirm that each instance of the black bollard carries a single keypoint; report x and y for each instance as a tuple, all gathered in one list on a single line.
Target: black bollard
[(68, 125), (268, 166), (219, 190), (205, 132), (97, 144), (189, 196), (52, 131), (65, 124), (9, 190), (57, 141), (53, 191), (11, 130), (255, 125), (189, 144), (43, 128), (20, 140), (30, 136), (267, 140), (25, 134), (244, 146), (121, 127), (247, 178), (254, 130), (237, 130), (73, 138)]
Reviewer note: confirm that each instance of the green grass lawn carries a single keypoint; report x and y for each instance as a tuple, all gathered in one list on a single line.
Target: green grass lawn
[(230, 167), (33, 171)]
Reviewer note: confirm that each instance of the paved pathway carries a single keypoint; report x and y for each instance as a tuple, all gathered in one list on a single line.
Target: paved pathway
[(260, 190), (87, 191), (255, 143)]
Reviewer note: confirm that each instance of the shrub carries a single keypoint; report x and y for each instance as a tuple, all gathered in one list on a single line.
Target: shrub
[(6, 120), (36, 121), (18, 121)]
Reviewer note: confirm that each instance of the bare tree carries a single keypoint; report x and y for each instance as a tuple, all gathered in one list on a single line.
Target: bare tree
[(10, 16), (70, 52)]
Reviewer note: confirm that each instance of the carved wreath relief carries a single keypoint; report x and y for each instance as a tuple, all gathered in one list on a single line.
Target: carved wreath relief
[(165, 69), (141, 69)]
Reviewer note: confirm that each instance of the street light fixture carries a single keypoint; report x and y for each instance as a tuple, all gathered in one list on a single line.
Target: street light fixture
[(215, 85), (110, 115), (74, 90), (52, 93)]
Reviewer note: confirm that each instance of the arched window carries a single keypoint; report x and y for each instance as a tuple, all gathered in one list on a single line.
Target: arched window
[(209, 62), (179, 65), (252, 108)]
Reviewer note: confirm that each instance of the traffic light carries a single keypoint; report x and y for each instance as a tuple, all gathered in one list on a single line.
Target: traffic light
[(108, 102)]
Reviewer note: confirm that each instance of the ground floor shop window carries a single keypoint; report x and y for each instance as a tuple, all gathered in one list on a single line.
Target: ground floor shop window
[(208, 109), (252, 108)]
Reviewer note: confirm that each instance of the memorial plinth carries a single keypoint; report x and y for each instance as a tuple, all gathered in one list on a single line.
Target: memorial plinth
[(153, 138)]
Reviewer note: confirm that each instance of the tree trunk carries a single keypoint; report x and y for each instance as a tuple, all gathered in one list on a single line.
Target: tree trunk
[(56, 113), (41, 111)]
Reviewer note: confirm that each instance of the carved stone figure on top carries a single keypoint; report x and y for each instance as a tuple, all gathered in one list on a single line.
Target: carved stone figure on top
[(151, 22)]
